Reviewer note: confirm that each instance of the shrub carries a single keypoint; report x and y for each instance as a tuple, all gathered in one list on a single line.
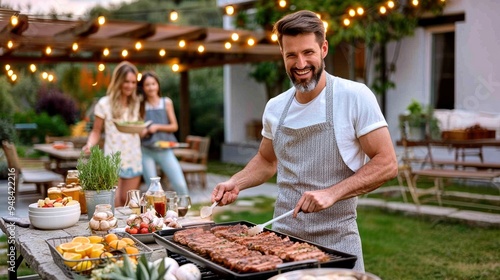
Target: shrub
[(54, 102), (46, 125), (7, 131)]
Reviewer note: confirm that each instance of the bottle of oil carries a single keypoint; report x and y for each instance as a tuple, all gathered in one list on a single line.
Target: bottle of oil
[(155, 197)]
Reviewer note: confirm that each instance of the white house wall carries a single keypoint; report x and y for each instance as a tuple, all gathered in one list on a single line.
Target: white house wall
[(244, 101), (477, 60)]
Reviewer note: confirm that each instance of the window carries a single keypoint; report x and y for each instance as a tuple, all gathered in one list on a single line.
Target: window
[(443, 70)]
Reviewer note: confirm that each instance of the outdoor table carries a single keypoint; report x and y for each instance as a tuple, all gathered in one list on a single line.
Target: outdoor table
[(31, 246), (67, 156)]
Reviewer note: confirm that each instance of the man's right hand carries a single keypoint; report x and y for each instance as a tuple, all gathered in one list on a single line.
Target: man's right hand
[(225, 192)]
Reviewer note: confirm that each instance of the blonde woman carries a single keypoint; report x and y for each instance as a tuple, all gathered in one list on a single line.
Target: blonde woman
[(120, 103)]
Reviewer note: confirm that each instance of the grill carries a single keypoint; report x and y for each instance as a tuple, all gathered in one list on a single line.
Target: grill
[(208, 267)]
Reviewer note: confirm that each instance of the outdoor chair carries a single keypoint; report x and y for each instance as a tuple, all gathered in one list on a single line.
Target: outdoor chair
[(34, 174), (194, 165)]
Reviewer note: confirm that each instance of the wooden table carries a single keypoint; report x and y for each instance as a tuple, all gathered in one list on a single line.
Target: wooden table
[(31, 246), (457, 145), (63, 158)]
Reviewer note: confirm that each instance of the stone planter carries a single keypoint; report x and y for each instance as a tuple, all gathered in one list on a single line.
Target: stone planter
[(94, 198)]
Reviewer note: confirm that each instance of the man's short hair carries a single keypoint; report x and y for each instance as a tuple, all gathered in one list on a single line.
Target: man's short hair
[(301, 22)]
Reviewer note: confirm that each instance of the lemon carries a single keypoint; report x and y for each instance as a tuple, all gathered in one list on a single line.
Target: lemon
[(69, 246), (83, 266), (117, 244), (84, 249), (94, 239), (129, 241), (81, 239), (73, 257)]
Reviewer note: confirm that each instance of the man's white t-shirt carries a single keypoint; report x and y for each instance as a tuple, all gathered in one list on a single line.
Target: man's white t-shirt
[(355, 113)]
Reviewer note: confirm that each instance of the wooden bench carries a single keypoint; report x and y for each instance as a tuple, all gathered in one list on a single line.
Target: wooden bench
[(438, 174), (456, 164)]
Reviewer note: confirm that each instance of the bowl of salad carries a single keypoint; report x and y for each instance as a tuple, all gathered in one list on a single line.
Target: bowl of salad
[(131, 127)]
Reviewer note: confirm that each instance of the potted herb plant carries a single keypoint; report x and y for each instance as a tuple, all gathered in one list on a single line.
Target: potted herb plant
[(98, 175), (418, 122)]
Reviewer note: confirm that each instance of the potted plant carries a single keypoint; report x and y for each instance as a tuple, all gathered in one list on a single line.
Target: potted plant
[(418, 122), (98, 175)]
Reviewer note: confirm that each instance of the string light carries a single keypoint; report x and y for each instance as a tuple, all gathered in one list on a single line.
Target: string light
[(162, 52), (325, 25), (14, 20), (45, 75), (251, 41), (124, 53), (10, 72), (414, 3), (352, 12), (346, 22), (105, 52), (235, 37), (175, 67), (360, 11), (227, 45), (201, 48), (48, 50), (33, 68), (174, 16), (229, 10), (101, 20), (182, 43), (390, 4), (138, 45), (282, 3), (50, 78), (7, 67), (274, 37), (139, 77), (101, 67), (74, 47), (382, 10), (13, 77), (10, 44)]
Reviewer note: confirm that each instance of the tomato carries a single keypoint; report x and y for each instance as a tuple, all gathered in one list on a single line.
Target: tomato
[(144, 230), (127, 229), (144, 225), (133, 231)]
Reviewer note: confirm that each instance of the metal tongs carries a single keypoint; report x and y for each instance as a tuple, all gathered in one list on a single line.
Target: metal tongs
[(206, 211), (259, 228)]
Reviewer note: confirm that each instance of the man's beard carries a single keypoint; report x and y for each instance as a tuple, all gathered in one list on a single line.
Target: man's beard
[(307, 85)]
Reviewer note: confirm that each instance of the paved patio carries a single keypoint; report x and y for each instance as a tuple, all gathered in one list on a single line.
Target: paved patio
[(202, 196)]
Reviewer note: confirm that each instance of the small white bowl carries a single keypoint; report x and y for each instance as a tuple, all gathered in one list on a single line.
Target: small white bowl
[(33, 207), (55, 221)]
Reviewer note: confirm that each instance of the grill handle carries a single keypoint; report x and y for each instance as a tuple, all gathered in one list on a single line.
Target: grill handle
[(297, 264)]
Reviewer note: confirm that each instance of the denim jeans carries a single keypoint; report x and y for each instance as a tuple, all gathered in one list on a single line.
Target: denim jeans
[(168, 164)]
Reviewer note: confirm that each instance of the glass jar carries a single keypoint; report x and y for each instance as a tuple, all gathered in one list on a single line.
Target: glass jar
[(134, 201), (155, 197), (172, 204), (73, 183), (72, 177), (103, 219)]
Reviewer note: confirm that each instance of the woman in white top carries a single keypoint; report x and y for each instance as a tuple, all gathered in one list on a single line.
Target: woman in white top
[(120, 103)]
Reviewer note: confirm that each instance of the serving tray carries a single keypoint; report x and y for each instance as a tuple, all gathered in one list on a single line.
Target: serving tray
[(337, 259)]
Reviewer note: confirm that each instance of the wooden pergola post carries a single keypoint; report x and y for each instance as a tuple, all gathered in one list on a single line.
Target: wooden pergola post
[(184, 106)]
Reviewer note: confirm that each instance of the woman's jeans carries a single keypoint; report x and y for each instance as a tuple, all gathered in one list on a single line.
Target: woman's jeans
[(169, 165)]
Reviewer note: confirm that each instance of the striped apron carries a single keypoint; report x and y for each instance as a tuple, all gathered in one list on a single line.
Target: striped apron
[(309, 159)]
